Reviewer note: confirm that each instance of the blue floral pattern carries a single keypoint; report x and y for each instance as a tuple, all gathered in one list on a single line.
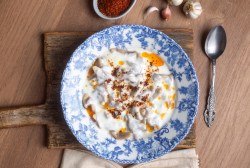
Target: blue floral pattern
[(130, 37)]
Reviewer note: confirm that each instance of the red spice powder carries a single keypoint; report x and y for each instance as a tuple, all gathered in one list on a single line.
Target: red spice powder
[(113, 8)]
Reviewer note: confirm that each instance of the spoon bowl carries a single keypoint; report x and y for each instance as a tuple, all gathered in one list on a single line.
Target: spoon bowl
[(216, 42)]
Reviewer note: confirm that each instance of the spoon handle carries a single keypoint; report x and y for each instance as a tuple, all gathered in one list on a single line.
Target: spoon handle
[(209, 113)]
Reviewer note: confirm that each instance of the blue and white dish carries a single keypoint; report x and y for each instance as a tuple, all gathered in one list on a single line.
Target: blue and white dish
[(130, 37)]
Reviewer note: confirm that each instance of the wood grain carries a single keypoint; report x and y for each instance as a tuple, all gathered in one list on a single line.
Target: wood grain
[(58, 47), (22, 75)]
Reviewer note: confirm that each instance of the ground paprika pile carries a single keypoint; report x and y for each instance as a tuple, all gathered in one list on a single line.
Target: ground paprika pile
[(113, 8)]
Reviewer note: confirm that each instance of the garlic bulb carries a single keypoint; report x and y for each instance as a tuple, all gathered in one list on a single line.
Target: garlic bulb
[(166, 13), (192, 9), (175, 2)]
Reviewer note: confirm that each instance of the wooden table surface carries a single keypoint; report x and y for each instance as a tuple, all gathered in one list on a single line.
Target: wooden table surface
[(22, 76)]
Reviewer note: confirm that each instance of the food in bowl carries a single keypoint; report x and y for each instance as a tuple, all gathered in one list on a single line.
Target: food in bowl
[(113, 8), (129, 93)]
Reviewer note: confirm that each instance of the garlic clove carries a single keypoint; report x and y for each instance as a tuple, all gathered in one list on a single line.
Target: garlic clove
[(175, 2), (150, 10), (192, 9), (198, 8), (166, 13)]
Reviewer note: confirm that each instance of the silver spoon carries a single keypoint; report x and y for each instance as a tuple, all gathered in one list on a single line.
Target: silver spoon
[(214, 46)]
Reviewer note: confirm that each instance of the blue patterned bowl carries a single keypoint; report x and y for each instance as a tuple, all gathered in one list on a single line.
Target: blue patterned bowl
[(130, 37)]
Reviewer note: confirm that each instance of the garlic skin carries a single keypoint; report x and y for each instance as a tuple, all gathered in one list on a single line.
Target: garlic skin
[(150, 10), (166, 13), (175, 2), (192, 9)]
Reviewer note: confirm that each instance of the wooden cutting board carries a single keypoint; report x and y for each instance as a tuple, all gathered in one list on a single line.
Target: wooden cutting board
[(58, 47)]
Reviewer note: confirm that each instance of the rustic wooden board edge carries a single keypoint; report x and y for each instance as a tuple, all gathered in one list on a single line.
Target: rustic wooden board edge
[(168, 30)]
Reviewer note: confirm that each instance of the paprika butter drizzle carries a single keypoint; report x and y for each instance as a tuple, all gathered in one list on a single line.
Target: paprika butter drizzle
[(113, 8)]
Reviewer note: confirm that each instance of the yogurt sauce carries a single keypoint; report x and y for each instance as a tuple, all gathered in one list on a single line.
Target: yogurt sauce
[(129, 94)]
